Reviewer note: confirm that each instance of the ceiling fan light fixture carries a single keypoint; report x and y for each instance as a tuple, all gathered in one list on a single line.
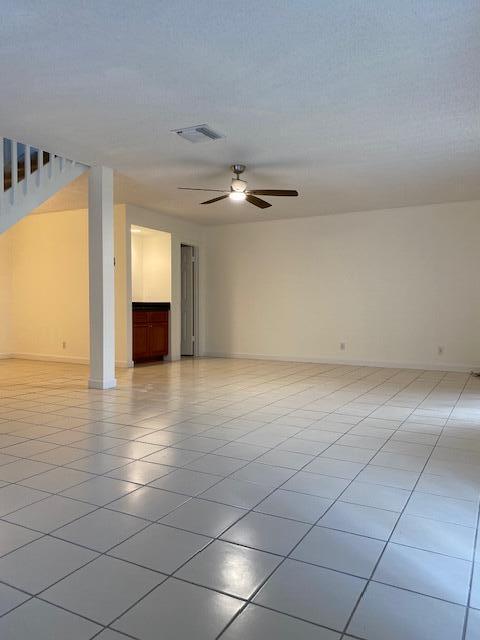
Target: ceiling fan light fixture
[(237, 196), (239, 185)]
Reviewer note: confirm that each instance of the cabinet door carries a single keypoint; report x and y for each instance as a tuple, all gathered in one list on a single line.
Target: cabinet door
[(140, 341), (158, 339)]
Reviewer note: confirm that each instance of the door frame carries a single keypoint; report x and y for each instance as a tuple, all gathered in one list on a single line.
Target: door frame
[(195, 294)]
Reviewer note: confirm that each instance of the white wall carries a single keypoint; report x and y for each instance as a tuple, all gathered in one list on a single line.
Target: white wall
[(151, 265), (393, 285)]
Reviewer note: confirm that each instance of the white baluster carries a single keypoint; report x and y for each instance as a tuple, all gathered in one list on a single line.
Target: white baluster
[(28, 169), (14, 153), (39, 166), (50, 164)]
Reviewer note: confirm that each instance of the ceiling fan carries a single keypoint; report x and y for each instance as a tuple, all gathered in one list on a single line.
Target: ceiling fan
[(238, 191)]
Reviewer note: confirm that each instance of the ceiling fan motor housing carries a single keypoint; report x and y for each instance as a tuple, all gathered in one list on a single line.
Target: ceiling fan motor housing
[(238, 168)]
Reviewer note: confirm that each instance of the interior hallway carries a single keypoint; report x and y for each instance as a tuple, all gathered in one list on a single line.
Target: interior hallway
[(238, 499)]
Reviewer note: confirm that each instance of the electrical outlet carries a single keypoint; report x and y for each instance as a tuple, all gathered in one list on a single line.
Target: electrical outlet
[(343, 346), (441, 350), (64, 345)]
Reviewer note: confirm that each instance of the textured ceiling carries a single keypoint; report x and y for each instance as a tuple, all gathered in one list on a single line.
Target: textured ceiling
[(358, 105)]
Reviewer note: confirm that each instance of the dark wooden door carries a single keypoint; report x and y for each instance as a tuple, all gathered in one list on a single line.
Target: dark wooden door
[(158, 339), (140, 341)]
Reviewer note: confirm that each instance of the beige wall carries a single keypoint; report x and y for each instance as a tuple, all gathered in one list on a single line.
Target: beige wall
[(122, 303), (137, 267), (393, 285), (151, 265), (49, 283), (5, 293)]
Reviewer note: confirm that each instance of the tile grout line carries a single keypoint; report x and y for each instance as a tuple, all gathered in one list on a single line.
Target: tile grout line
[(472, 571), (74, 571), (370, 579), (248, 462), (216, 538), (309, 530)]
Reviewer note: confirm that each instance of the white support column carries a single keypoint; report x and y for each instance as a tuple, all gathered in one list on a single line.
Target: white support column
[(101, 278)]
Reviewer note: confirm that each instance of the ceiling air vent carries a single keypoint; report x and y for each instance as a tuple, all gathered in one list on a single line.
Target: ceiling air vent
[(198, 133)]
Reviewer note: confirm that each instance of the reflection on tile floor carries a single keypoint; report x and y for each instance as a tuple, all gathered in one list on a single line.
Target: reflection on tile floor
[(239, 500)]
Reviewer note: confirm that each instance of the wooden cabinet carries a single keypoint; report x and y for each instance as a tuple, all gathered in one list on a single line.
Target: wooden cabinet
[(150, 331)]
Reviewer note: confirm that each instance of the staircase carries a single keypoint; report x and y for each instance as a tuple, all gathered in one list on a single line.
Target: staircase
[(28, 177)]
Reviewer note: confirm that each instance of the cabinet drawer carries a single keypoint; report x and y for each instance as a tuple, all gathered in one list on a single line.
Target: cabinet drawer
[(140, 317), (157, 316)]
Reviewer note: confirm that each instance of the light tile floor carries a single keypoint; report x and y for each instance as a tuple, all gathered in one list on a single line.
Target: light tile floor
[(240, 500)]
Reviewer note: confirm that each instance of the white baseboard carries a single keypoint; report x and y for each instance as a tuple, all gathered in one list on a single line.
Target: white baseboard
[(428, 366), (46, 357), (124, 364)]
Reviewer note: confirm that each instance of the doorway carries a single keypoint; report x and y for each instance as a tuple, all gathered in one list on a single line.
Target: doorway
[(188, 296), (151, 293)]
